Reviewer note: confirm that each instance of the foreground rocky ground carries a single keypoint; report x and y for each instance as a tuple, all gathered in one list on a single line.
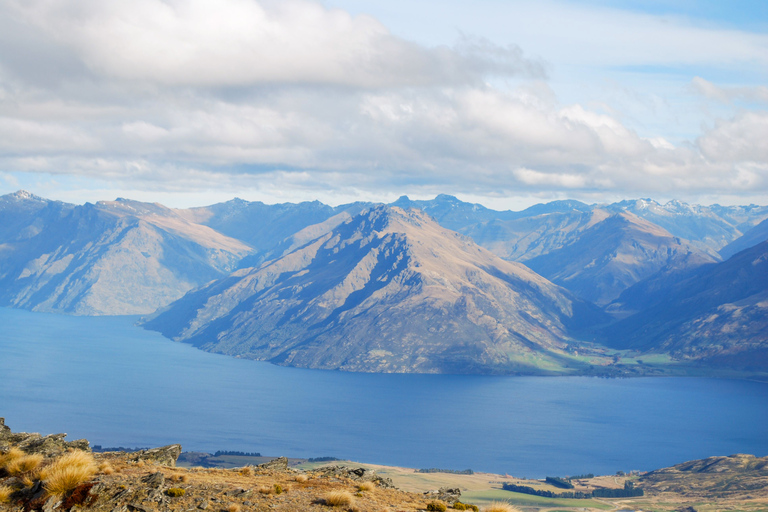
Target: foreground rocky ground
[(149, 481)]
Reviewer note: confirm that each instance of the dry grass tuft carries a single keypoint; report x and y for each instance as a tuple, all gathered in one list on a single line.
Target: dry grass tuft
[(106, 468), (233, 507), (301, 478), (10, 456), (68, 471), (5, 493), (366, 486), (246, 471), (266, 489), (25, 464), (338, 499), (498, 506)]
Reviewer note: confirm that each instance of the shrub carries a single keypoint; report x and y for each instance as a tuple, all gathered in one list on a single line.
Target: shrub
[(5, 493), (338, 499), (366, 486), (175, 492), (498, 506), (279, 489), (460, 506), (68, 471), (436, 506)]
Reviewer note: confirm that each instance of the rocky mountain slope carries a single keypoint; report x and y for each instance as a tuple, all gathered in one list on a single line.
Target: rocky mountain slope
[(389, 291), (613, 254), (113, 257), (716, 313)]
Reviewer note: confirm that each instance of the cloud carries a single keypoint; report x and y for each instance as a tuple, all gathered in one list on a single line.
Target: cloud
[(741, 139), (187, 95), (757, 94), (246, 42)]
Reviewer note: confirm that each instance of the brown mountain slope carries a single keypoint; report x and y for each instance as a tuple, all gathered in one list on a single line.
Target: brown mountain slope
[(613, 254), (387, 291)]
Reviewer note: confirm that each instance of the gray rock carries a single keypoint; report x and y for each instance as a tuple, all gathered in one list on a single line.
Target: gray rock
[(278, 464), (155, 480), (356, 474), (444, 494), (203, 505), (165, 455), (51, 504), (51, 445)]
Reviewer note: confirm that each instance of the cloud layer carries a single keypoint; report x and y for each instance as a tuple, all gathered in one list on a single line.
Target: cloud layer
[(197, 95)]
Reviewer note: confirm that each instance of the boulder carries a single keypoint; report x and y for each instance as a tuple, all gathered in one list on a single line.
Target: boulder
[(445, 494), (278, 464), (51, 445), (164, 456)]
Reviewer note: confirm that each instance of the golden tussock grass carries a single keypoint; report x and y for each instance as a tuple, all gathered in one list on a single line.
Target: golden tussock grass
[(9, 456), (246, 471), (5, 493), (68, 471), (266, 489), (24, 465), (106, 468), (301, 478), (233, 507), (366, 486), (500, 507), (338, 499)]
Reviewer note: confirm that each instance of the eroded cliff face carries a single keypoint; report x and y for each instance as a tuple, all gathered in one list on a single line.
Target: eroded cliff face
[(387, 291)]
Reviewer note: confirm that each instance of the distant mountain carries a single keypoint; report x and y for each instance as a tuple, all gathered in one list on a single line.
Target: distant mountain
[(716, 313), (751, 238), (119, 257), (388, 290), (515, 236), (613, 254), (264, 226), (709, 227)]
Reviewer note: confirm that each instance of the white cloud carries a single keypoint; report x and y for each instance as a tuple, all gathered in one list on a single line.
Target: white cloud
[(706, 88), (247, 42), (192, 95)]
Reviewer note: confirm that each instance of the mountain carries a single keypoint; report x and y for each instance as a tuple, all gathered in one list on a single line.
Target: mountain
[(715, 314), (515, 236), (613, 254), (751, 238), (263, 226), (389, 290), (708, 227), (113, 257)]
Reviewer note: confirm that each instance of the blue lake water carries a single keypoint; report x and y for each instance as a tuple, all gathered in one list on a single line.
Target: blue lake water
[(116, 384)]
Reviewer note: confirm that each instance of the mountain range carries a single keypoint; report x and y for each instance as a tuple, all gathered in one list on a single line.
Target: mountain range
[(417, 286)]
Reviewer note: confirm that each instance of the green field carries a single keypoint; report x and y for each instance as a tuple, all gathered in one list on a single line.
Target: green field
[(528, 500)]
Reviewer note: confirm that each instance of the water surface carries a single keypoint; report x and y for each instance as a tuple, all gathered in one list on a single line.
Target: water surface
[(116, 384)]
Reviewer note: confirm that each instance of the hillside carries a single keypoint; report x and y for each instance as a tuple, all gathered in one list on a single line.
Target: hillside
[(149, 479), (387, 291), (613, 254), (114, 257), (715, 314)]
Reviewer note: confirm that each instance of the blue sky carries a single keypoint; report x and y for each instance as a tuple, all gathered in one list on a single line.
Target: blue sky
[(506, 103)]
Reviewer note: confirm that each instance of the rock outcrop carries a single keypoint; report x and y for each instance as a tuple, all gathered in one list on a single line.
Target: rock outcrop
[(49, 446)]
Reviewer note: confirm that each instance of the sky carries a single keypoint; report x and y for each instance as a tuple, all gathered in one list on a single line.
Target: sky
[(502, 102)]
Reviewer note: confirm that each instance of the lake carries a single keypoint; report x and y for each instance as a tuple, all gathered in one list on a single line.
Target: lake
[(118, 385)]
